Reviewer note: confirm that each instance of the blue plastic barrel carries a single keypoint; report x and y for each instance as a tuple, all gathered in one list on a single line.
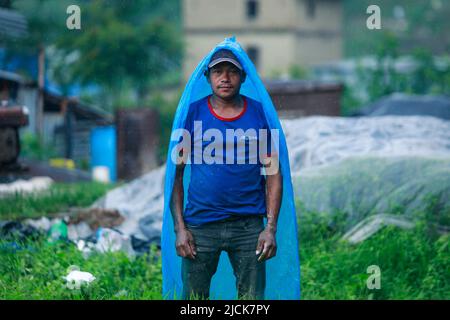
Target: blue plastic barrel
[(103, 149)]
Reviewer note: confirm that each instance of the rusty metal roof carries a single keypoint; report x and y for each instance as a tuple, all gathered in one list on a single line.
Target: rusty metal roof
[(13, 116), (13, 24)]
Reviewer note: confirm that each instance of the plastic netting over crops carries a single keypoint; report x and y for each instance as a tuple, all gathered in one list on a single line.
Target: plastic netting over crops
[(371, 165)]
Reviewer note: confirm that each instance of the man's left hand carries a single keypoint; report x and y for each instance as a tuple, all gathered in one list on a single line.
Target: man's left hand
[(267, 244)]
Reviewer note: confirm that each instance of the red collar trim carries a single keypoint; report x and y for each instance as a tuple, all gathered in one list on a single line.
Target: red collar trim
[(211, 109)]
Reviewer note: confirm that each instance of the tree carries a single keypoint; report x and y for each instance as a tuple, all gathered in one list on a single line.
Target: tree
[(125, 45), (44, 25)]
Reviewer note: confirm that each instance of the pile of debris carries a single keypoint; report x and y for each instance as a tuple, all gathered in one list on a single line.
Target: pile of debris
[(128, 218), (89, 229)]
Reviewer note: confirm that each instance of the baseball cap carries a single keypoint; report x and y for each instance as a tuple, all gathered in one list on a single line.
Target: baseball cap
[(224, 55)]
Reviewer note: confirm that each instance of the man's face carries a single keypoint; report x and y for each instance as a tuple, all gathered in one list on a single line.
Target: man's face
[(225, 80)]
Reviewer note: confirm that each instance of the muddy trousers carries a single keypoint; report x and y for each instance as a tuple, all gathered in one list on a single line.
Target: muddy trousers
[(238, 236)]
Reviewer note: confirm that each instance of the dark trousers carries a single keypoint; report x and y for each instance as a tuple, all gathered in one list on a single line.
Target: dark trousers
[(238, 236)]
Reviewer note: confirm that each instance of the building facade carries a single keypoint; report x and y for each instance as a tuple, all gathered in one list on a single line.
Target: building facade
[(276, 34)]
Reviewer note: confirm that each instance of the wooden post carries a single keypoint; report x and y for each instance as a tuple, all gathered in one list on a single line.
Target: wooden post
[(40, 98)]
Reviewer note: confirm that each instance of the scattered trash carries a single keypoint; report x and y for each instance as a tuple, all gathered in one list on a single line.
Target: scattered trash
[(81, 234), (142, 246), (76, 278), (16, 231), (109, 240), (101, 174), (79, 231), (85, 247), (371, 225), (58, 231), (121, 293), (42, 224), (62, 163), (141, 203), (96, 217), (35, 184), (151, 226)]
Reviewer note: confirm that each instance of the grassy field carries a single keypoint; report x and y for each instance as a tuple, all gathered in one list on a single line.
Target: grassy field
[(414, 264), (58, 198)]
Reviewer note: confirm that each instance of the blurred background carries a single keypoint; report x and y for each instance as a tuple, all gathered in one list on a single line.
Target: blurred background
[(86, 115)]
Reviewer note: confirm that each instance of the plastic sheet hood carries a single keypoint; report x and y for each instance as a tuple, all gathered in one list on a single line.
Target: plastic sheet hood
[(283, 270)]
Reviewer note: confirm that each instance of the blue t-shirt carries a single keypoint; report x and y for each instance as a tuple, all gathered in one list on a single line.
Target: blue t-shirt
[(219, 189)]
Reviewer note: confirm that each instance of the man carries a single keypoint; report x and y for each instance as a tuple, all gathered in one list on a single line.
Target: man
[(227, 201)]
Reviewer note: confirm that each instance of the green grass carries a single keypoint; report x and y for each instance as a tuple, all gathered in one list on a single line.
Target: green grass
[(414, 264), (36, 273), (58, 198)]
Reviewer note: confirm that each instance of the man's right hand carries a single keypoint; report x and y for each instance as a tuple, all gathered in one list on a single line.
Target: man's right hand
[(185, 244)]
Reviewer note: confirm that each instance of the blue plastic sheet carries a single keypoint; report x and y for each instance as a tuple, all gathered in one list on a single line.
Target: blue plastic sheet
[(283, 270)]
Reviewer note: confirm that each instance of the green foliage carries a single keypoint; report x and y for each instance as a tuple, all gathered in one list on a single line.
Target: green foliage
[(384, 79), (275, 74), (83, 164), (421, 33), (166, 108), (46, 20), (132, 44), (31, 147), (425, 23), (413, 265), (37, 272), (126, 48), (298, 72), (428, 76), (58, 198), (293, 72), (349, 102)]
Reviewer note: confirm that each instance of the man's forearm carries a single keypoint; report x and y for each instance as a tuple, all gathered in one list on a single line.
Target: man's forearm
[(273, 199), (176, 203)]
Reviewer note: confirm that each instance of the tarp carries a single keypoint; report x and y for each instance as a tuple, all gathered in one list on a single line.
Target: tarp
[(403, 104), (318, 141), (283, 271)]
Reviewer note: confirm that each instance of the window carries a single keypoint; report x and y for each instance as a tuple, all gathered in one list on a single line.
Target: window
[(252, 9), (311, 8), (253, 54)]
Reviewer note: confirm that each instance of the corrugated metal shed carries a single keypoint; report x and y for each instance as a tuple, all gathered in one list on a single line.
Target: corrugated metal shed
[(12, 24)]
